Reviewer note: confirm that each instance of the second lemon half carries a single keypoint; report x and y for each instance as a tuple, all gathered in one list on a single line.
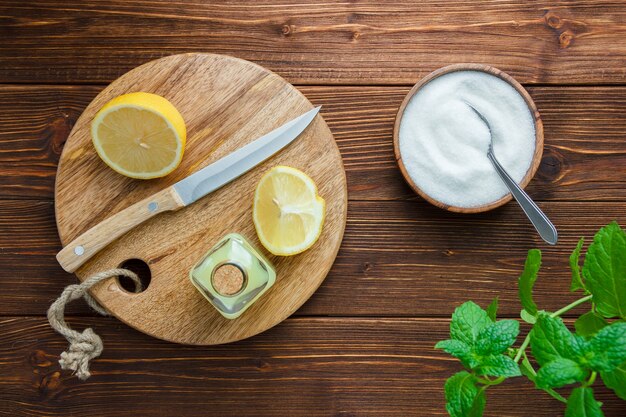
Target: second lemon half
[(288, 213), (140, 135)]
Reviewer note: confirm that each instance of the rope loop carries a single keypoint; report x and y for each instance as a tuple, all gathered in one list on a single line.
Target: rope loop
[(87, 345)]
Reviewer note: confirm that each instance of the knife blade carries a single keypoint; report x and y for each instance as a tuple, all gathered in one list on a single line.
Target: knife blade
[(221, 172), (184, 192)]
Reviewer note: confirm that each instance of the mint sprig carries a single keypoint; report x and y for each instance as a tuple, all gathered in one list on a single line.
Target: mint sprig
[(581, 403), (527, 281), (479, 343), (604, 271), (558, 373), (550, 340), (616, 380), (492, 309), (597, 347), (468, 321), (590, 323), (574, 264), (464, 397)]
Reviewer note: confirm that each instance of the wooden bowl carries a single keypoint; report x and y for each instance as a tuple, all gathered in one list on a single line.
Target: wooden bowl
[(531, 106)]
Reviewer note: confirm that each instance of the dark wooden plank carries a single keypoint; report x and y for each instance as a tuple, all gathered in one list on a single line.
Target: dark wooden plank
[(312, 42), (35, 122), (398, 258), (303, 367), (584, 158)]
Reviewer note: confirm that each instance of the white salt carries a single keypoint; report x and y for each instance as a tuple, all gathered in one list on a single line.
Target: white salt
[(444, 144)]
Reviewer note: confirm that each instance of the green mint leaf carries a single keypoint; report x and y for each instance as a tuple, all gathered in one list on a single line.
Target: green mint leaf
[(579, 349), (527, 317), (559, 372), (467, 321), (527, 369), (550, 340), (616, 380), (459, 350), (461, 394), (574, 264), (496, 337), (582, 404), (608, 348), (492, 309), (479, 404), (498, 365), (589, 324), (527, 280), (605, 271)]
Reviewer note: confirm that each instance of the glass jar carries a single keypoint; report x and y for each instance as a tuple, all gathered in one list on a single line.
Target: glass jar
[(233, 275)]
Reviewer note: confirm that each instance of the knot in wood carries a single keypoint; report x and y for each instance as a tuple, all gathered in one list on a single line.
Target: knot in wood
[(262, 365), (39, 359), (57, 133), (566, 29), (565, 39), (553, 20), (288, 30), (551, 168), (50, 384)]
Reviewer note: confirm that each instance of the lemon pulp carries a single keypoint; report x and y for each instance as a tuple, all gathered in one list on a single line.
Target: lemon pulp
[(288, 213), (140, 135)]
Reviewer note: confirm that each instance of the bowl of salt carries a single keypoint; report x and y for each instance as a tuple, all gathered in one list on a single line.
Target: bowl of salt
[(444, 128)]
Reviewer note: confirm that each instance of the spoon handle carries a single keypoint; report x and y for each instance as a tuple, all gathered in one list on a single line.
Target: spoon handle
[(540, 221)]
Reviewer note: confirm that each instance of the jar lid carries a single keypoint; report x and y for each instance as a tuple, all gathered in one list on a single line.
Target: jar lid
[(228, 279)]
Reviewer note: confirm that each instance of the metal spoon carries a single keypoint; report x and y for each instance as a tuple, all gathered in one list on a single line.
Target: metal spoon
[(540, 221)]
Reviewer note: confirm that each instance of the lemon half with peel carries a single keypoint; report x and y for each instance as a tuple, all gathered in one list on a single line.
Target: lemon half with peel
[(288, 213), (140, 135)]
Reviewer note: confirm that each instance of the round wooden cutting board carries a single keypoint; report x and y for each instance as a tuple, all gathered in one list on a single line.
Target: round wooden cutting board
[(226, 103)]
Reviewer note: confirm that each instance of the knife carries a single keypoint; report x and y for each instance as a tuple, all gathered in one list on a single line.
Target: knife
[(184, 192)]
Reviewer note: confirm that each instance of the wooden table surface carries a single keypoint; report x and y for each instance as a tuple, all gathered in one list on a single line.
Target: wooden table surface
[(363, 344)]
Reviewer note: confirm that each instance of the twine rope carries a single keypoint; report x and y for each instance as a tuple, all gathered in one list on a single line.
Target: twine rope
[(87, 345)]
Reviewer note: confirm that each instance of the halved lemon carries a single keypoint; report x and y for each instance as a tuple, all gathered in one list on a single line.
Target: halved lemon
[(140, 135), (288, 213)]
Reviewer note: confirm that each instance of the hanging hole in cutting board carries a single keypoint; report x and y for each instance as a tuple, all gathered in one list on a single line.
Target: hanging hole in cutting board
[(140, 268)]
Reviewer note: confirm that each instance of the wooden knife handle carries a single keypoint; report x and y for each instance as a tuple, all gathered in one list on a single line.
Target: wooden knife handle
[(85, 246)]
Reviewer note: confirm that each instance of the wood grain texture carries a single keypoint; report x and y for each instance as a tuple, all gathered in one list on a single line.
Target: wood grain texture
[(584, 134), (312, 42), (398, 258), (401, 256), (304, 367), (226, 103)]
